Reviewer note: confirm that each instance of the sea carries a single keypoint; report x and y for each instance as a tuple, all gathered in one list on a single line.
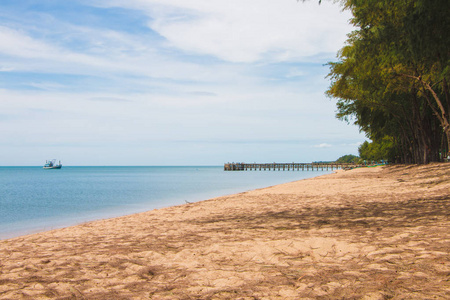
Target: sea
[(33, 199)]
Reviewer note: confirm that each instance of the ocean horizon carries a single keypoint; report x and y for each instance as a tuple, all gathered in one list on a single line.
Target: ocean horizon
[(33, 199)]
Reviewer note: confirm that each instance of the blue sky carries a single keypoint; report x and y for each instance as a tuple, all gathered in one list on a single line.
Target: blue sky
[(173, 82)]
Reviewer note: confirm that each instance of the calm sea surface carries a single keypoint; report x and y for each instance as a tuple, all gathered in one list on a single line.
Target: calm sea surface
[(33, 199)]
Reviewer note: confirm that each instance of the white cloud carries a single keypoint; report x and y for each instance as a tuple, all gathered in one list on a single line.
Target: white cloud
[(323, 145), (247, 31), (236, 31), (106, 54), (213, 76), (37, 54), (109, 99), (17, 43), (295, 72), (6, 69), (48, 86)]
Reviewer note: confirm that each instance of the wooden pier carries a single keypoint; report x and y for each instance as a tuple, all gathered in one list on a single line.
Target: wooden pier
[(315, 166)]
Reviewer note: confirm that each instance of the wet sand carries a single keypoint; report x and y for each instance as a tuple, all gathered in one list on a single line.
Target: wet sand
[(370, 233)]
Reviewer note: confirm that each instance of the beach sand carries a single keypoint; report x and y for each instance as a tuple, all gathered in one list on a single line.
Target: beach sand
[(369, 233)]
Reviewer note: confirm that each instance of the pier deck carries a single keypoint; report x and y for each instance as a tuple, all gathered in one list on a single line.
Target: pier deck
[(288, 166)]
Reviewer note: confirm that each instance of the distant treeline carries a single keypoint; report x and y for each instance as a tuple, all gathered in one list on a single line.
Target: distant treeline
[(349, 158), (391, 78)]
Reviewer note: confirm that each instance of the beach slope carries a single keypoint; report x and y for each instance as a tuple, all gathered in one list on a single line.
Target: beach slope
[(369, 233)]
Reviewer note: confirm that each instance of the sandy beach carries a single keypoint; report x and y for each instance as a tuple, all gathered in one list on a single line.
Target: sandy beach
[(369, 233)]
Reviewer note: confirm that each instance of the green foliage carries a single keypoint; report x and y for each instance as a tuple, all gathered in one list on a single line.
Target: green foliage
[(349, 158), (378, 150), (391, 77)]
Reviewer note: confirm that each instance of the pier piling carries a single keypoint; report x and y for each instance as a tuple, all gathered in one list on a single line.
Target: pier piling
[(289, 166)]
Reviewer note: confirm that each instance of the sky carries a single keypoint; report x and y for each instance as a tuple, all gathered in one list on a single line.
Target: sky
[(170, 82)]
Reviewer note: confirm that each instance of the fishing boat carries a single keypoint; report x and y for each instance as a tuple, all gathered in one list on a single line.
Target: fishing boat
[(51, 164)]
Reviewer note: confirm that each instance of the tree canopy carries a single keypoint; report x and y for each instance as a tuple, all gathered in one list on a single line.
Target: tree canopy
[(391, 77), (349, 158)]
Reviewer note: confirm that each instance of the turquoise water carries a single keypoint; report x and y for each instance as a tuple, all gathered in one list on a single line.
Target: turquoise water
[(33, 199)]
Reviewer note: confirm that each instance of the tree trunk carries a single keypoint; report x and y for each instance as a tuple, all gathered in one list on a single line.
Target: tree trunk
[(442, 114)]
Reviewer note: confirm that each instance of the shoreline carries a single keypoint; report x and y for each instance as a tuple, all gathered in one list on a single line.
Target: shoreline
[(133, 196), (369, 232)]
